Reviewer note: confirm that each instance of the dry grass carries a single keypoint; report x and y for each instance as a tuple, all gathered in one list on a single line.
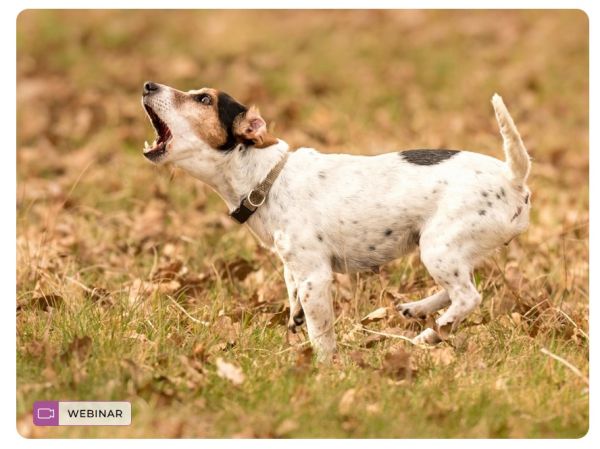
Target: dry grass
[(132, 281)]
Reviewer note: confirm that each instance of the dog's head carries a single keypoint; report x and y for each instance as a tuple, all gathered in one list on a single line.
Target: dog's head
[(199, 122)]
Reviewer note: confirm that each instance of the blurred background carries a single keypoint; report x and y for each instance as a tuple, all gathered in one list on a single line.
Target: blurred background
[(94, 218)]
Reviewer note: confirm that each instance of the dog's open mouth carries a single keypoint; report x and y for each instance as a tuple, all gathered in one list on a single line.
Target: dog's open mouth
[(159, 146)]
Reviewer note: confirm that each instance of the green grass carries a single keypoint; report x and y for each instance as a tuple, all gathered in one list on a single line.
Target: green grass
[(95, 222)]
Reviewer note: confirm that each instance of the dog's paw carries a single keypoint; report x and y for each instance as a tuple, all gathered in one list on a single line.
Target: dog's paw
[(296, 321), (427, 337), (298, 317), (409, 311)]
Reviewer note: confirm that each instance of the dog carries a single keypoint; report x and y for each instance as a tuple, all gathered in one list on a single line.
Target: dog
[(340, 213)]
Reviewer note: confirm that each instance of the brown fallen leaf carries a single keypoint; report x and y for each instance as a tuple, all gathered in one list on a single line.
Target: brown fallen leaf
[(246, 432), (359, 358), (373, 409), (516, 318), (278, 318), (194, 370), (199, 352), (150, 222), (442, 356), (169, 287), (239, 269), (100, 296), (513, 276), (140, 290), (294, 338), (346, 404), (43, 302), (230, 372), (372, 340), (78, 349), (304, 357), (397, 364), (375, 315), (227, 330), (192, 284), (27, 429), (287, 426), (167, 271)]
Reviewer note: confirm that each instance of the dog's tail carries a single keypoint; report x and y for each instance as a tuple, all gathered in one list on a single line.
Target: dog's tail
[(515, 152)]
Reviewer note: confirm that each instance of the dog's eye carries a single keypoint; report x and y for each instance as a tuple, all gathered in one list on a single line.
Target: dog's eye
[(205, 99)]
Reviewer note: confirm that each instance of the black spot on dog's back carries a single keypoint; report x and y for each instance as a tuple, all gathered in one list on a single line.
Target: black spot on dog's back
[(427, 157)]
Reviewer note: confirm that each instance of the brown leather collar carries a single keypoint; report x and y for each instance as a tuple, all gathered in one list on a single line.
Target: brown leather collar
[(258, 195)]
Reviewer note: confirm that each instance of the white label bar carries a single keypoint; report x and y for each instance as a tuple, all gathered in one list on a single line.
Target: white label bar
[(94, 413)]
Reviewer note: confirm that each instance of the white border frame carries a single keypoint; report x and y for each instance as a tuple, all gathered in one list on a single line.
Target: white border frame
[(8, 198)]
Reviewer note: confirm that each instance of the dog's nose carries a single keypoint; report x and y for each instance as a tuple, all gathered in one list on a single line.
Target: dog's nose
[(150, 87)]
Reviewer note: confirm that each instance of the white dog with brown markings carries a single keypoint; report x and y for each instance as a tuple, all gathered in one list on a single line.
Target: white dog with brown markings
[(325, 213)]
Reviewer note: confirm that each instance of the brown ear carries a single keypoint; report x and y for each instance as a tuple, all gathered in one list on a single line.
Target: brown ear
[(250, 126)]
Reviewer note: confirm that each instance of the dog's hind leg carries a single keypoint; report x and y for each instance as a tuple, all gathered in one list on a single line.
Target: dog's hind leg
[(426, 306), (296, 312), (451, 267)]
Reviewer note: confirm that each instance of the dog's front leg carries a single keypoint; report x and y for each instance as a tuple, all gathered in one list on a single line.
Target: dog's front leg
[(314, 293), (296, 312)]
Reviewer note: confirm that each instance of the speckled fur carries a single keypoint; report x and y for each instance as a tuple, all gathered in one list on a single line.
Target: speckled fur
[(343, 213)]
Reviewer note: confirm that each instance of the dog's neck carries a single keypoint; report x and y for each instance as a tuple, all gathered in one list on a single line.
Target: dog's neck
[(239, 172)]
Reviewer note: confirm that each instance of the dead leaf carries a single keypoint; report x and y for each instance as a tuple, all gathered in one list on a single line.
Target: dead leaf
[(200, 352), (27, 429), (372, 340), (516, 318), (501, 384), (169, 287), (150, 222), (359, 358), (167, 271), (246, 432), (304, 358), (140, 290), (226, 329), (100, 296), (375, 315), (397, 364), (514, 276), (193, 284), (78, 349), (373, 409), (286, 427), (442, 356), (278, 318), (232, 373), (194, 369), (239, 269), (45, 301), (346, 404)]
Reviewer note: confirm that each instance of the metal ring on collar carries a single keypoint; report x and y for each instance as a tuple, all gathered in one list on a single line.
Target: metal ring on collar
[(259, 201)]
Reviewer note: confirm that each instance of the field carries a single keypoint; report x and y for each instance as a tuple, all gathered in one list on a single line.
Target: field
[(133, 284)]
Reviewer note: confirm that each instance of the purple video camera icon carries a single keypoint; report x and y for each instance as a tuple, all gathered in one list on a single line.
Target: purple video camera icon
[(45, 413)]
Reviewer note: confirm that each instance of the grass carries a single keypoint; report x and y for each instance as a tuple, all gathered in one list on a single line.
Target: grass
[(132, 282)]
